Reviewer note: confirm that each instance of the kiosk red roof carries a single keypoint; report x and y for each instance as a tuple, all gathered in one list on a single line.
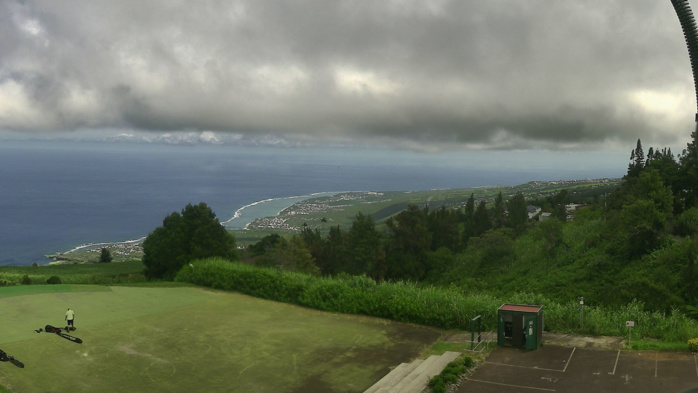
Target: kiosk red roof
[(520, 308)]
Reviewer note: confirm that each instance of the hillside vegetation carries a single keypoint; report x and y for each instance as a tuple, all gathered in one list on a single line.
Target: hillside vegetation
[(634, 242), (447, 308)]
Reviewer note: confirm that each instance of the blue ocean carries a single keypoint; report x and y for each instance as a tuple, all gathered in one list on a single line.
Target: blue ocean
[(58, 195)]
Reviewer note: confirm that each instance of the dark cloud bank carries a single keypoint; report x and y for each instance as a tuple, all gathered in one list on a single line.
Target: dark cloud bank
[(428, 75)]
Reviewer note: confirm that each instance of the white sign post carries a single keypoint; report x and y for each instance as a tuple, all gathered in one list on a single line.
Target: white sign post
[(630, 325)]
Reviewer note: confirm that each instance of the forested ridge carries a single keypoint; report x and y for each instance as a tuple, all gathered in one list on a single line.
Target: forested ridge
[(638, 243)]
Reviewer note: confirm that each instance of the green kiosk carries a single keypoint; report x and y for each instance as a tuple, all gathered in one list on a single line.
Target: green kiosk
[(520, 326)]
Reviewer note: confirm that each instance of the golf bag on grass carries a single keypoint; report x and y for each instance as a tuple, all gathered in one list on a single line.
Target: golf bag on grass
[(59, 331), (4, 357)]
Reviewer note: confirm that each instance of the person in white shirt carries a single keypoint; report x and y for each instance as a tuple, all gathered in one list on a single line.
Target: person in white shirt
[(70, 317)]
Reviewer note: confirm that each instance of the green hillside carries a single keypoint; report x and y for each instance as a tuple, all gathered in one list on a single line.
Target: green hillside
[(340, 210)]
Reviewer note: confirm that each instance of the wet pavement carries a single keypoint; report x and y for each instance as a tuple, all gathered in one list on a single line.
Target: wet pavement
[(568, 363)]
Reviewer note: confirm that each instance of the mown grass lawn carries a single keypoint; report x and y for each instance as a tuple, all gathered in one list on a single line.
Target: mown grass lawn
[(188, 340)]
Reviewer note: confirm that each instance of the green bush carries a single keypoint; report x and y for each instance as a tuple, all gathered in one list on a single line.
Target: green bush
[(437, 384), (450, 378), (693, 343), (26, 280), (446, 308), (687, 222), (450, 374), (53, 280), (435, 380), (468, 362)]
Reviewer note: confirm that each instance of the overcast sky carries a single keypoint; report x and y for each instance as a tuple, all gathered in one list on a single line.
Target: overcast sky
[(418, 74)]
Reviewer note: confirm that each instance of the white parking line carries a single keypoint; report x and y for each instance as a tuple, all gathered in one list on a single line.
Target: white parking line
[(569, 359), (526, 367), (513, 386), (616, 365)]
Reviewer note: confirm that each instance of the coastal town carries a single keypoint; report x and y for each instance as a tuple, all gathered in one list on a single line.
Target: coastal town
[(90, 253)]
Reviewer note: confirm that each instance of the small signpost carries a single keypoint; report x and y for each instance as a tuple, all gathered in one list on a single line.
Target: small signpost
[(630, 325), (475, 324)]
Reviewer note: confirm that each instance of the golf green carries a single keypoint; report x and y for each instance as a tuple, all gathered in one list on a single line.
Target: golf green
[(190, 339)]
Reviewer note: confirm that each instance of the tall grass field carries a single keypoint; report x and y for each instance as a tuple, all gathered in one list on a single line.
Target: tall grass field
[(446, 308)]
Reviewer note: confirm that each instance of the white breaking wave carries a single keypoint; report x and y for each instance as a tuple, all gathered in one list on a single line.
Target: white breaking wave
[(94, 245), (238, 212)]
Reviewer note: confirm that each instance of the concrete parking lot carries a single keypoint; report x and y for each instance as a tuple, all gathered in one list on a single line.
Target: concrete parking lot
[(571, 369)]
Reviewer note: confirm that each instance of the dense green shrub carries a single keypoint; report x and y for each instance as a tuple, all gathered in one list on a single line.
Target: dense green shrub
[(447, 308), (450, 374), (53, 280), (687, 222), (26, 280), (439, 385), (468, 362)]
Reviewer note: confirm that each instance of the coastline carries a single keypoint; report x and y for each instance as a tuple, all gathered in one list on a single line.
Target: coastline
[(266, 208), (271, 207), (123, 250), (91, 246)]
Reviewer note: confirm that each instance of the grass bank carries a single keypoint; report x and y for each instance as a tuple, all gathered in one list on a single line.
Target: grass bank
[(446, 308), (83, 273)]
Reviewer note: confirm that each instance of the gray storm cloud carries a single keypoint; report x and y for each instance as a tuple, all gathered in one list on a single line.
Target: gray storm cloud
[(437, 74)]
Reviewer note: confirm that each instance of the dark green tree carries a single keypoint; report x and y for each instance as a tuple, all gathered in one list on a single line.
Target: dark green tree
[(481, 219), (267, 243), (468, 220), (637, 161), (365, 250), (643, 219), (164, 250), (517, 218), (550, 231), (689, 278), (196, 233), (105, 256), (470, 207), (443, 225), (291, 255), (314, 242), (664, 162), (494, 248), (686, 224), (498, 212), (559, 204), (335, 255), (689, 173), (409, 244)]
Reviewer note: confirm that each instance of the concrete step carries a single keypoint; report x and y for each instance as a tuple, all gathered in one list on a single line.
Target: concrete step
[(394, 376), (417, 379)]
